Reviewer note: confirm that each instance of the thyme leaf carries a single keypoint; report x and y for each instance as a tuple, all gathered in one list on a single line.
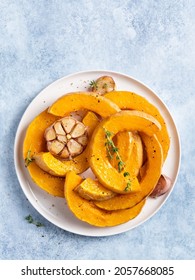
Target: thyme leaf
[(93, 85), (128, 187), (112, 149), (125, 174), (30, 220), (29, 159), (120, 165)]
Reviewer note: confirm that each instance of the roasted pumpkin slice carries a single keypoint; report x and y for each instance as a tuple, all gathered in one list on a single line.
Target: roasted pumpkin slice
[(130, 149), (132, 101), (107, 175), (148, 181), (51, 184), (135, 159), (83, 100), (33, 144), (47, 162), (124, 142), (93, 190), (88, 212), (90, 120)]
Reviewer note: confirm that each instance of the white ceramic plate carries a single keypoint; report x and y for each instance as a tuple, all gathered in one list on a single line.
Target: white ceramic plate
[(55, 209)]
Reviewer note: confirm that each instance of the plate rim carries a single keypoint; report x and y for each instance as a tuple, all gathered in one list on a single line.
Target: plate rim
[(16, 159)]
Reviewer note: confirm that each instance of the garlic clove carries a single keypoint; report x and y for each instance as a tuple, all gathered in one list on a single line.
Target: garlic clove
[(58, 128), (68, 123), (74, 147), (78, 130), (103, 85), (82, 140), (163, 186), (55, 147), (62, 138), (64, 153), (50, 134)]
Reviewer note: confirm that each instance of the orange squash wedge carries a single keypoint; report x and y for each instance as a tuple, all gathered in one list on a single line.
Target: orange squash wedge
[(107, 175), (83, 100), (88, 212), (90, 120), (124, 142), (135, 159), (47, 162), (34, 142), (132, 101), (148, 181), (92, 190)]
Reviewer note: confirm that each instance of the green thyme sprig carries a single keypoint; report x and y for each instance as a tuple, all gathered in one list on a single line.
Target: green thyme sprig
[(30, 220), (128, 186), (29, 159), (112, 149), (93, 85)]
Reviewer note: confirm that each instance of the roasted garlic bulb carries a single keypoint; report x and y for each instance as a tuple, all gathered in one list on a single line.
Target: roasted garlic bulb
[(66, 138)]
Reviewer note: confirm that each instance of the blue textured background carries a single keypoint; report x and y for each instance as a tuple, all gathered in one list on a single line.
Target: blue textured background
[(41, 41)]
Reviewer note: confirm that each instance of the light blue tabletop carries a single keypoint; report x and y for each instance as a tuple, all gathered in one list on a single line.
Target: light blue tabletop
[(153, 41)]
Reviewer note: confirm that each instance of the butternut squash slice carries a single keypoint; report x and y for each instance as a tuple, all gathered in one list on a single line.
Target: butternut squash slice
[(124, 142), (135, 159), (147, 183), (132, 101), (56, 167), (130, 149), (48, 163), (98, 158), (86, 211), (83, 100), (90, 120), (34, 142), (93, 190)]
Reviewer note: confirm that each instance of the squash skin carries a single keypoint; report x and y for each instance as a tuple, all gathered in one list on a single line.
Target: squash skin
[(132, 101), (148, 181), (86, 211), (34, 141), (99, 163), (83, 100)]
